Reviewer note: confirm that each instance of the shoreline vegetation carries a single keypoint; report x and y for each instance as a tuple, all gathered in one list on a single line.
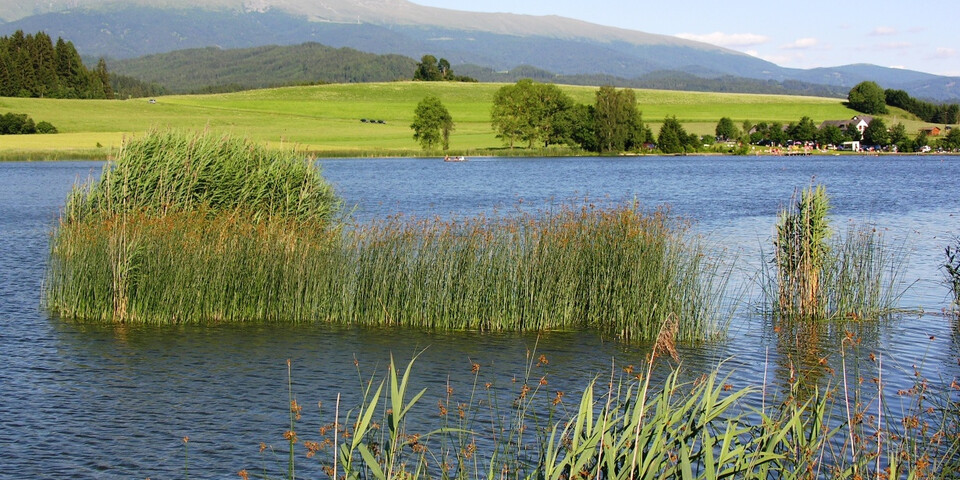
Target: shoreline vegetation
[(633, 422), (326, 120), (109, 154)]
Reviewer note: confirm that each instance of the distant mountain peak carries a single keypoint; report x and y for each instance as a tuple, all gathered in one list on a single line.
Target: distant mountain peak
[(381, 12), (500, 41)]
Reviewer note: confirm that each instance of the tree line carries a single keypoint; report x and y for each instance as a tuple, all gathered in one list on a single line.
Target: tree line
[(35, 66), (877, 133), (533, 113), (868, 97), (429, 69), (530, 114)]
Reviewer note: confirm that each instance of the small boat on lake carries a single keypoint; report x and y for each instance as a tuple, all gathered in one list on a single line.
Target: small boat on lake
[(448, 158)]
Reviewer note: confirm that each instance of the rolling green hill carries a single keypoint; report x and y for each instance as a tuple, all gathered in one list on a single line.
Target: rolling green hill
[(193, 70), (326, 118), (217, 70)]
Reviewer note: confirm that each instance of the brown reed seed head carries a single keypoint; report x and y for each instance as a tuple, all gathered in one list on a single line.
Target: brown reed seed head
[(666, 339)]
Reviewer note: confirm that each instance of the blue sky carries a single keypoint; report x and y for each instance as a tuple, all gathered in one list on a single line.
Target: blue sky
[(813, 33)]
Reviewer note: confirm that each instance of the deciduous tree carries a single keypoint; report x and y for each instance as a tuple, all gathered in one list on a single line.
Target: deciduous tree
[(432, 123), (805, 131), (876, 133), (952, 140), (726, 129), (617, 121), (427, 70), (532, 112), (831, 135), (868, 97)]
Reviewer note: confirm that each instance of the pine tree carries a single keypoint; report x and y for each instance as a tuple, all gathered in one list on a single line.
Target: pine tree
[(8, 87), (44, 63), (69, 68), (104, 78), (27, 78), (31, 66)]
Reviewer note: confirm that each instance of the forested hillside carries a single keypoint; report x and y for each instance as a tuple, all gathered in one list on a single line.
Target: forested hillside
[(659, 80), (214, 69), (33, 66)]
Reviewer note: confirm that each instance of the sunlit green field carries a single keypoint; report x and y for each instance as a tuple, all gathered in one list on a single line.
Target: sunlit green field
[(327, 118)]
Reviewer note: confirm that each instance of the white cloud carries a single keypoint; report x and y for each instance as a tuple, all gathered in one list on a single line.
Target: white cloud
[(881, 31), (801, 44), (894, 46), (885, 47), (943, 53), (727, 39)]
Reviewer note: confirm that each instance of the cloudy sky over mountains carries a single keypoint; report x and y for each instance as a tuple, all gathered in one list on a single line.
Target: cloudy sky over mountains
[(815, 33)]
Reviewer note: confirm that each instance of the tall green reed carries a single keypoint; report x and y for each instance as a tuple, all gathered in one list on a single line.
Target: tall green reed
[(617, 270), (800, 252), (634, 428), (951, 267), (179, 171), (818, 274)]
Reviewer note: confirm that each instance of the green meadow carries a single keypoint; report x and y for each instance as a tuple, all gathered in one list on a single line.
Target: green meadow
[(326, 119)]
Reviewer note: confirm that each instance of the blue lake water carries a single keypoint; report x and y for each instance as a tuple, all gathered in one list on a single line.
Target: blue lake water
[(93, 401)]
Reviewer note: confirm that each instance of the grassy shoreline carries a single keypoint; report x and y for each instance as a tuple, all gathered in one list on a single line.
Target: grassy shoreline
[(326, 119), (103, 154)]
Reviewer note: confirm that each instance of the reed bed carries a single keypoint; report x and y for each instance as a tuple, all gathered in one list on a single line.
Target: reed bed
[(615, 270), (819, 274), (622, 426), (200, 228), (801, 250)]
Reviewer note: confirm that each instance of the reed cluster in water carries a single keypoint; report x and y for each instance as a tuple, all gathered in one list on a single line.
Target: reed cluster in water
[(618, 270), (173, 171), (819, 274), (197, 228)]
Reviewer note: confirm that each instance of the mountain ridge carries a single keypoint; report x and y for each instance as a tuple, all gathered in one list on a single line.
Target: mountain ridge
[(128, 29)]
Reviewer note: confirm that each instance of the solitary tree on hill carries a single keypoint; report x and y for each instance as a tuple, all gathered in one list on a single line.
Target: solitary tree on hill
[(432, 123), (867, 97)]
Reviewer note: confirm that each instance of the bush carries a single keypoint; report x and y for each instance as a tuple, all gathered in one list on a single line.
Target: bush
[(21, 124), (46, 127)]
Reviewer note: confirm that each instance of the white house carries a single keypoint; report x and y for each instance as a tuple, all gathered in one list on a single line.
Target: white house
[(860, 122)]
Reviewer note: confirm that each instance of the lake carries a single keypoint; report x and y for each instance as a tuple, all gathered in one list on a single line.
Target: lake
[(96, 401)]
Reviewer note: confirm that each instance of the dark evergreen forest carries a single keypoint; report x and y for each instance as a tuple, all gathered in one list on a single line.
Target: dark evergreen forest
[(35, 66)]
